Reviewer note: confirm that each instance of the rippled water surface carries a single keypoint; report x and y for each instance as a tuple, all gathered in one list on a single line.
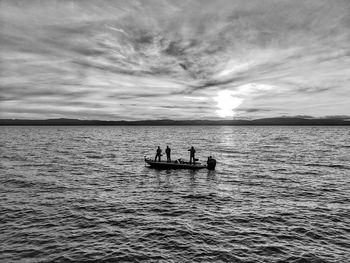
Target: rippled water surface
[(279, 194)]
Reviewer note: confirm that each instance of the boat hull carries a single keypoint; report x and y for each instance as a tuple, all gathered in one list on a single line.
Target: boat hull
[(173, 165)]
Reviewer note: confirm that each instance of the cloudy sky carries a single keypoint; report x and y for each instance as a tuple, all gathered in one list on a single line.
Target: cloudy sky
[(176, 59)]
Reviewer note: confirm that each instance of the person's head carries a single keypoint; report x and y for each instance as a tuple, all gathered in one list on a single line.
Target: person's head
[(158, 147), (167, 146), (192, 147)]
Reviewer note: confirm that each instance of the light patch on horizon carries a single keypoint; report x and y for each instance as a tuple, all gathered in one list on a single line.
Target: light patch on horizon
[(150, 59), (227, 103)]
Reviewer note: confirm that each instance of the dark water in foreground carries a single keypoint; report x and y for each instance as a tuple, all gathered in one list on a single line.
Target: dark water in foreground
[(279, 194)]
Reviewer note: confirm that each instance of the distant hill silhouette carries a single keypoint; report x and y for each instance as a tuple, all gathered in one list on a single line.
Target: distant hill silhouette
[(256, 122)]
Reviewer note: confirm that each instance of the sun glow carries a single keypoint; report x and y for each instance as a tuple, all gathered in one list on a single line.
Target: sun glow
[(227, 103)]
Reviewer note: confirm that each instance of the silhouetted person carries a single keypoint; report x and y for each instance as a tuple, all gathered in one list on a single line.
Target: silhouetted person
[(211, 163), (192, 152), (168, 152), (158, 154)]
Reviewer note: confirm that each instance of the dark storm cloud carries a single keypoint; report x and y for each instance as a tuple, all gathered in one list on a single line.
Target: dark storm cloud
[(145, 59)]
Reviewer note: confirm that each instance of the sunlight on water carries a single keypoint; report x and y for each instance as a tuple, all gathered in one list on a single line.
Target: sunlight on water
[(279, 194)]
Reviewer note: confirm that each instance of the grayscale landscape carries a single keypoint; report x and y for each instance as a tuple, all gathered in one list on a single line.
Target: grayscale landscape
[(175, 131)]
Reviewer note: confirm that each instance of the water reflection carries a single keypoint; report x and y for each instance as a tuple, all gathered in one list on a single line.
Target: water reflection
[(261, 204)]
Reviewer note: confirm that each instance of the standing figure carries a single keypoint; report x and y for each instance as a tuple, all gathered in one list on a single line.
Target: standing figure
[(158, 154), (168, 151), (192, 152)]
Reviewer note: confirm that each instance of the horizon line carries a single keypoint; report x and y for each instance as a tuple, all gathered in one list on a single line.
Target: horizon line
[(335, 120)]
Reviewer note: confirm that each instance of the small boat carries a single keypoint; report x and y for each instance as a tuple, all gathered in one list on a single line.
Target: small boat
[(178, 164)]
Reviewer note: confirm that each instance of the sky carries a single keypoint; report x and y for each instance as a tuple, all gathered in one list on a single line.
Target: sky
[(174, 59)]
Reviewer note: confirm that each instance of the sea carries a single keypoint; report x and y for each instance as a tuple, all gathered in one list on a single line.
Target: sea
[(84, 194)]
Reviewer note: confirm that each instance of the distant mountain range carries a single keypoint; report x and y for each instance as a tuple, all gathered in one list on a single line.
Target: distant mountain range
[(256, 122)]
